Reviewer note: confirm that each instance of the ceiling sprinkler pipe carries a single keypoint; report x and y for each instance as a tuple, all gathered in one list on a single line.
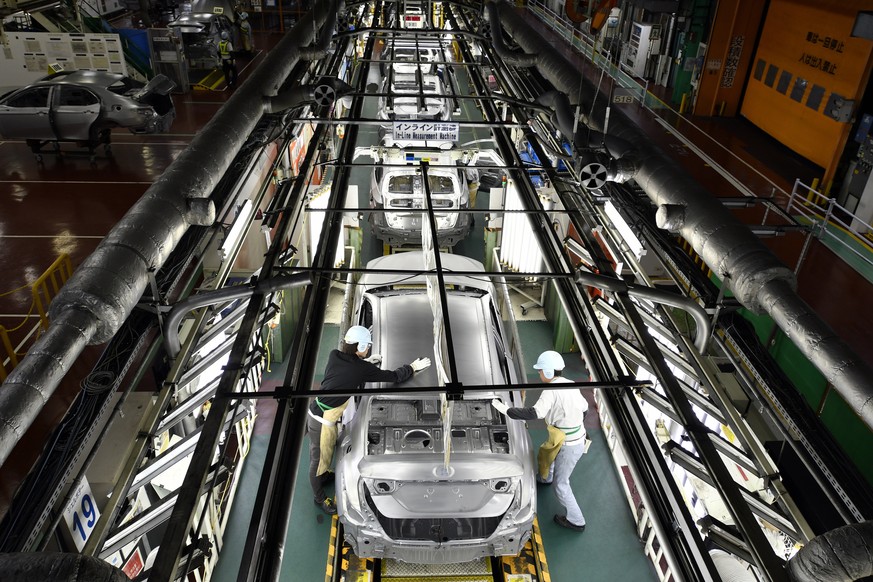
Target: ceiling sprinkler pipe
[(182, 308), (656, 295)]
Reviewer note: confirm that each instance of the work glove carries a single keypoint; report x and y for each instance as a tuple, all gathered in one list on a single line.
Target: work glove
[(374, 359), (499, 405), (420, 364)]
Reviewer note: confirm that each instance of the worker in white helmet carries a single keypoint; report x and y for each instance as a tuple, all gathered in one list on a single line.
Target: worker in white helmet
[(245, 33), (564, 412), (347, 369), (228, 64)]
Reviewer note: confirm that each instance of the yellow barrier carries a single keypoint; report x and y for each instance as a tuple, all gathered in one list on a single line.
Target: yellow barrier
[(9, 353), (49, 283), (43, 290)]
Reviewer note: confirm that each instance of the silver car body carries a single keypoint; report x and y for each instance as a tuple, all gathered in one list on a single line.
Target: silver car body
[(405, 58), (424, 99), (402, 189), (75, 106), (394, 498)]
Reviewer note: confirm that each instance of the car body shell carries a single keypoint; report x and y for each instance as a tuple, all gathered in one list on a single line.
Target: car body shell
[(413, 97), (394, 496), (78, 105), (402, 189)]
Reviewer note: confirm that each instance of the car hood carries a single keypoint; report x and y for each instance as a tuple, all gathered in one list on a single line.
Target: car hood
[(428, 467), (160, 85), (420, 491)]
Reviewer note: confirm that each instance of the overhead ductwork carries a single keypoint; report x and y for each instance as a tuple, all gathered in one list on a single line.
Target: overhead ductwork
[(57, 567), (515, 58), (619, 166), (756, 277), (107, 286), (325, 93), (319, 48), (840, 555)]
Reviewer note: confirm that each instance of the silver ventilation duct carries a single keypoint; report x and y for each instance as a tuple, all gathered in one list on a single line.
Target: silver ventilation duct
[(756, 277), (840, 555), (516, 58), (105, 288)]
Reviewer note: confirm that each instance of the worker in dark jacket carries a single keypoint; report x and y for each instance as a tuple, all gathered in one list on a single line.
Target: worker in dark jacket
[(564, 412), (346, 370)]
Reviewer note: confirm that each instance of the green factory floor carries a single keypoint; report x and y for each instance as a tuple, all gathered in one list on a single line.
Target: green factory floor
[(607, 550)]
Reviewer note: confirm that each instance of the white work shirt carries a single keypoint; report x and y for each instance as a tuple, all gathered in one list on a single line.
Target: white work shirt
[(564, 409)]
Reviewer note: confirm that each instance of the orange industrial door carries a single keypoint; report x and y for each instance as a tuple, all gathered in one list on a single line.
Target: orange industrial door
[(805, 74)]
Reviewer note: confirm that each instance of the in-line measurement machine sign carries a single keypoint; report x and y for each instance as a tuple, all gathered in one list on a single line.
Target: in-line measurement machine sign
[(426, 130)]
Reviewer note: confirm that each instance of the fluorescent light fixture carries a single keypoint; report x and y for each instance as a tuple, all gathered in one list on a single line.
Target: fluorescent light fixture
[(633, 243), (317, 220), (519, 249), (238, 229)]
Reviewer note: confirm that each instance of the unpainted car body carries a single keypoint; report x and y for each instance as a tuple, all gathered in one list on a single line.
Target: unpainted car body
[(405, 57), (78, 105), (201, 30), (401, 190), (417, 97), (394, 497)]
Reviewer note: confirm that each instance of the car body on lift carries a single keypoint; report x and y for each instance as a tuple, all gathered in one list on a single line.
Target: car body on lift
[(397, 186), (79, 106), (200, 30), (394, 497)]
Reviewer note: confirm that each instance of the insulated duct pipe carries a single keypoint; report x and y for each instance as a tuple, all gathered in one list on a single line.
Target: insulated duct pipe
[(57, 567), (756, 277), (840, 555), (107, 286), (515, 58), (319, 48)]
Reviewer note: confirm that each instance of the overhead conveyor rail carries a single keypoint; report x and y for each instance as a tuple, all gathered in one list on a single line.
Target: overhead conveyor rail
[(691, 416)]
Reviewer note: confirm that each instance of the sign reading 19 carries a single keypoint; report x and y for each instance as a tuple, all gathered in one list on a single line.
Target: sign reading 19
[(89, 515), (81, 514)]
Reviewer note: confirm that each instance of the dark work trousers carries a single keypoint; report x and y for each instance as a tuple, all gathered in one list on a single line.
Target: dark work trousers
[(228, 66), (313, 428)]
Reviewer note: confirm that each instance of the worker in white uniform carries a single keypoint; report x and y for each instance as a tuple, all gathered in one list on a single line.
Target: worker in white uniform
[(563, 411)]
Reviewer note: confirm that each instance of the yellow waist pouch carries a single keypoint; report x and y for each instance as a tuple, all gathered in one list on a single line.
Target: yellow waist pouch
[(328, 437), (549, 450)]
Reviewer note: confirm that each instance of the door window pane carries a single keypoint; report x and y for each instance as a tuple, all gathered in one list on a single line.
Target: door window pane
[(77, 97), (36, 97)]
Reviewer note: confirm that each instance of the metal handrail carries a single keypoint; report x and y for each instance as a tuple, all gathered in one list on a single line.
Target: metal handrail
[(582, 42), (822, 211)]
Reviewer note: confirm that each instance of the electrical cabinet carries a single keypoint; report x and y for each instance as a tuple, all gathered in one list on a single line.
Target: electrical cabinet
[(644, 41)]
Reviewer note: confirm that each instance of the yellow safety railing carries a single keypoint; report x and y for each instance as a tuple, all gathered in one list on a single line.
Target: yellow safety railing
[(43, 290), (7, 354), (49, 283)]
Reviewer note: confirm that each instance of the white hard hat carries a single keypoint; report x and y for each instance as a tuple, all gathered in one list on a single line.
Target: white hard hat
[(224, 35), (548, 362), (244, 15), (360, 335)]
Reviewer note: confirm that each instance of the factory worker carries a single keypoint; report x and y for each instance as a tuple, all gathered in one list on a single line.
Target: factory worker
[(346, 369), (228, 64), (563, 411)]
